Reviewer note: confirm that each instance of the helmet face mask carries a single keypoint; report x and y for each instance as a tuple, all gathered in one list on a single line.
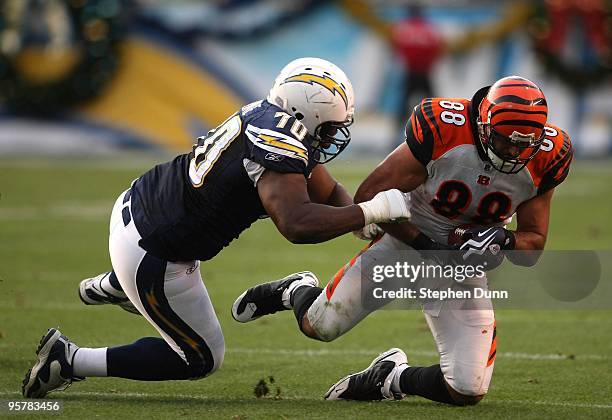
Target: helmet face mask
[(319, 95), (511, 121), (509, 154), (330, 139)]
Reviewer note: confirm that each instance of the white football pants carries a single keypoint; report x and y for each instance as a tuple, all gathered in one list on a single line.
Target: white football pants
[(171, 296), (465, 338)]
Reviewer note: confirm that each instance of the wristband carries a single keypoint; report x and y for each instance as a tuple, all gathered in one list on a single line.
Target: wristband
[(369, 213)]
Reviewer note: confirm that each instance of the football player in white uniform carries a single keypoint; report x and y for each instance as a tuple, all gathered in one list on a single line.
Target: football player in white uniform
[(466, 162), (264, 160)]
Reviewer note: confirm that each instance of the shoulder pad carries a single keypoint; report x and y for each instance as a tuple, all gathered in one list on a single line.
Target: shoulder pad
[(551, 164), (438, 125)]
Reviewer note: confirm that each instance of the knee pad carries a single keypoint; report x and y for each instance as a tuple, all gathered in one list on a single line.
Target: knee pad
[(326, 331), (330, 320), (469, 381)]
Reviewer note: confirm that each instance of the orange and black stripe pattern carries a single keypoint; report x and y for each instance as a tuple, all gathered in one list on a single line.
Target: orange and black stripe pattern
[(420, 132), (331, 286), (427, 137), (493, 349), (515, 104), (555, 164)]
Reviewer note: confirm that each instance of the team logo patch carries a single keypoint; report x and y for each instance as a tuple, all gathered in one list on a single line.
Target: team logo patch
[(274, 157), (494, 248), (327, 82)]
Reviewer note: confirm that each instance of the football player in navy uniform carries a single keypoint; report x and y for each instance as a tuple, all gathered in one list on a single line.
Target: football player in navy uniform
[(262, 161), (471, 162)]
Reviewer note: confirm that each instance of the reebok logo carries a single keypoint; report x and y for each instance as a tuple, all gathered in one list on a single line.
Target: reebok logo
[(274, 157)]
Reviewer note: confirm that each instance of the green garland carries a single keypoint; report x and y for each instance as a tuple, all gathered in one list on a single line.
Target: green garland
[(95, 67)]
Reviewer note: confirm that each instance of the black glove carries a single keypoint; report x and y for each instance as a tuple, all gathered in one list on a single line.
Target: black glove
[(424, 243), (439, 253), (485, 246)]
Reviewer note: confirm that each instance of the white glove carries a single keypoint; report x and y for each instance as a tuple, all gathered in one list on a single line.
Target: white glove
[(368, 232), (386, 207)]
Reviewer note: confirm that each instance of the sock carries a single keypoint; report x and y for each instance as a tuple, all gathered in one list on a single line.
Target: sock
[(89, 362), (306, 279), (148, 359), (395, 384), (427, 382), (110, 284), (114, 281), (302, 299)]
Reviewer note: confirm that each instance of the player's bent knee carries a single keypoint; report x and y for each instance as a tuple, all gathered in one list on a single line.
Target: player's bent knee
[(307, 329), (327, 338), (318, 333), (469, 381), (201, 368), (198, 370), (327, 334), (462, 399), (465, 395), (218, 353)]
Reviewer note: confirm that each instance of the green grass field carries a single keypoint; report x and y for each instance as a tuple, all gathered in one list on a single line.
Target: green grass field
[(53, 233)]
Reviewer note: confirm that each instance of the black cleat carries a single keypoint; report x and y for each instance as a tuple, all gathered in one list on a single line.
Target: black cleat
[(373, 383), (268, 298), (53, 369)]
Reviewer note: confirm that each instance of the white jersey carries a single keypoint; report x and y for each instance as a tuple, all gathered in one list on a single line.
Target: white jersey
[(462, 187)]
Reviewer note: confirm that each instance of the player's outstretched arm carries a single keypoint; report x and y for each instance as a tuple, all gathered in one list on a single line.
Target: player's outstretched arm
[(286, 200), (324, 189), (399, 170)]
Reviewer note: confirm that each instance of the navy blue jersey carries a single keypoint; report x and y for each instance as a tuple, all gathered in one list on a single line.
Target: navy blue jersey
[(193, 206)]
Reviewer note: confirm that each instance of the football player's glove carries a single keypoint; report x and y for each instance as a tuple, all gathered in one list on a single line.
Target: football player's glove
[(424, 243), (479, 246), (485, 246), (435, 251), (386, 207), (369, 232)]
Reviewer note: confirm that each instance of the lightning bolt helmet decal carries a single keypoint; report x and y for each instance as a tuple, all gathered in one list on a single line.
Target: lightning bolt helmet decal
[(325, 81)]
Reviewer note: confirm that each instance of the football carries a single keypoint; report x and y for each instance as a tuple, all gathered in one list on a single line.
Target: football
[(456, 235)]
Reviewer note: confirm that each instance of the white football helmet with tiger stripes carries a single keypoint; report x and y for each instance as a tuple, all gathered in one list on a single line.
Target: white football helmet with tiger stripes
[(319, 95)]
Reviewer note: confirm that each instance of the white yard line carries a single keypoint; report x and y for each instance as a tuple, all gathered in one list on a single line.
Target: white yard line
[(373, 352), (554, 403), (140, 395), (58, 210), (146, 396), (121, 161), (50, 305)]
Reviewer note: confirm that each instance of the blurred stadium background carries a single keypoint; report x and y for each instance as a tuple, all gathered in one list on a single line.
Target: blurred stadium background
[(94, 92), (95, 76)]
